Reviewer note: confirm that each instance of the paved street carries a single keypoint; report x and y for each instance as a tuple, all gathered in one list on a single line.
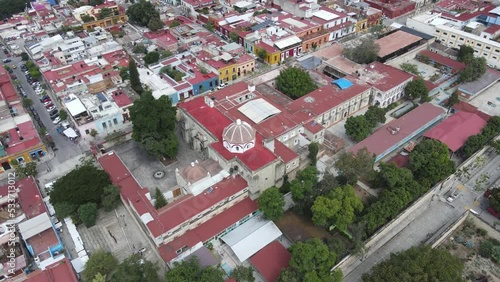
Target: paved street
[(66, 148), (425, 222)]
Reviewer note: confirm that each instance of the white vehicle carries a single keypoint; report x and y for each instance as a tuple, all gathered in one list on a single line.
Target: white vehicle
[(57, 120), (51, 108), (222, 85), (452, 197), (40, 91), (47, 102)]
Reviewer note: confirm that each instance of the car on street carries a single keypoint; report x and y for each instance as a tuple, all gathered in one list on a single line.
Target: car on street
[(57, 120), (39, 91), (54, 117), (452, 197), (14, 66), (45, 97), (50, 104), (222, 85), (54, 112), (51, 108), (47, 102), (7, 60)]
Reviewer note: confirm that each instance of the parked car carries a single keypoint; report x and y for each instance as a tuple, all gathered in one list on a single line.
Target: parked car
[(51, 108), (48, 105), (57, 120), (54, 117), (44, 98), (7, 60), (54, 112), (14, 66), (47, 102), (39, 91), (452, 197), (222, 85)]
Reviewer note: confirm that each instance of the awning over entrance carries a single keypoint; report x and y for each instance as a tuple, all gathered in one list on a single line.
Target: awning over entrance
[(250, 237)]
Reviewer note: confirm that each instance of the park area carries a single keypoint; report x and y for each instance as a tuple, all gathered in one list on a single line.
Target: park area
[(476, 244)]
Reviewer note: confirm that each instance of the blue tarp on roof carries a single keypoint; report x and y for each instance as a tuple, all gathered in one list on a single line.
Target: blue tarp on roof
[(342, 83)]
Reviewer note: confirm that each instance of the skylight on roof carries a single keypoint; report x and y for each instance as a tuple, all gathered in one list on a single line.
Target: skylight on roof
[(258, 110)]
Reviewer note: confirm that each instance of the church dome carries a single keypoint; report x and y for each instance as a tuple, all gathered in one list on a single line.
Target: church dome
[(193, 172), (238, 137)]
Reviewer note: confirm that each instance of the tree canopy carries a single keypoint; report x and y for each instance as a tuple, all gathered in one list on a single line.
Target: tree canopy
[(151, 57), (190, 270), (416, 89), (375, 115), (474, 70), (10, 7), (135, 81), (243, 274), (410, 68), (422, 264), (430, 162), (144, 13), (88, 214), (295, 82), (272, 203), (160, 199), (99, 262), (465, 54), (313, 152), (110, 197), (85, 184), (352, 166), (358, 127), (494, 199), (311, 261), (476, 142), (154, 125), (365, 52), (454, 99), (338, 207), (136, 269)]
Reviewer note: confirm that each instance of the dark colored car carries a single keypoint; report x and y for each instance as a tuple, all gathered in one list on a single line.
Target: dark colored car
[(54, 112), (44, 97)]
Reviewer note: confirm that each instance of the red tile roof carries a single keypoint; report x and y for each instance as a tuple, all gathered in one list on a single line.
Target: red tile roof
[(455, 65), (30, 198), (285, 153), (492, 29), (122, 100), (455, 130), (30, 138), (208, 229), (383, 140), (271, 260), (61, 271), (387, 76), (43, 241)]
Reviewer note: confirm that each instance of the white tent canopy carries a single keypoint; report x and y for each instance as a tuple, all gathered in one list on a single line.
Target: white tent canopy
[(250, 237), (70, 132), (75, 107)]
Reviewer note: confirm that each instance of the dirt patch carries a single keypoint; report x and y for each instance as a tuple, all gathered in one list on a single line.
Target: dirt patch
[(464, 243), (298, 228), (167, 162)]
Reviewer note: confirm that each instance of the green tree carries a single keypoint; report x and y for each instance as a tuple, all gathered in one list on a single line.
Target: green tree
[(474, 70), (9, 8), (35, 73), (165, 54), (430, 162), (494, 199), (338, 208), (262, 54), (87, 18), (301, 187), (105, 13), (243, 274), (84, 184), (454, 99), (365, 52), (210, 26), (110, 197), (155, 24), (160, 199), (418, 264), (143, 13), (96, 2), (88, 214), (234, 36), (352, 166), (151, 58), (295, 82), (174, 23), (272, 203), (375, 115), (124, 73), (93, 132), (25, 170), (154, 125), (313, 152), (99, 262), (358, 128), (25, 56), (27, 102), (63, 114), (312, 259), (99, 278), (135, 82), (65, 209), (140, 49), (136, 269), (190, 270), (465, 54), (416, 89), (410, 68)]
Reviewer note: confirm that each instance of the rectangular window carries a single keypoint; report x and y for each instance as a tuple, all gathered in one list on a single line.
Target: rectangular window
[(487, 47), (104, 125), (87, 131), (115, 121), (494, 57), (479, 44)]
